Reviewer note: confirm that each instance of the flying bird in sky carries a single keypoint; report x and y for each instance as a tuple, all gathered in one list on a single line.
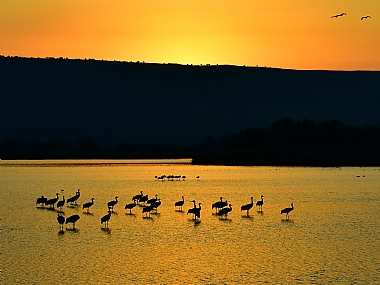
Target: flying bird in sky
[(365, 17), (338, 15)]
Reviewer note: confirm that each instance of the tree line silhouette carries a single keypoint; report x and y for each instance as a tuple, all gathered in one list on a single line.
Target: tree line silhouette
[(285, 143), (295, 143)]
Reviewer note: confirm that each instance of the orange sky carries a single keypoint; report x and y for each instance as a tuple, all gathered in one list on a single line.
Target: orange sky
[(297, 34)]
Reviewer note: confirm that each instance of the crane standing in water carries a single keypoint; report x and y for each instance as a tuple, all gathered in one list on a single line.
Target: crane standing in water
[(224, 212), (72, 219), (105, 219), (61, 221), (247, 207), (111, 204), (180, 203), (88, 205), (260, 203), (287, 211)]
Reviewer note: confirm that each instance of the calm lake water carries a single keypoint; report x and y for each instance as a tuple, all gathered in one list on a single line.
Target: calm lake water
[(331, 237)]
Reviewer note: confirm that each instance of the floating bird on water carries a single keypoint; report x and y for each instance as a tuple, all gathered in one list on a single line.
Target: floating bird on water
[(247, 207), (130, 207), (180, 203), (61, 221), (52, 201), (73, 200), (365, 17), (287, 211), (72, 219), (224, 212), (338, 15), (105, 219), (111, 204), (260, 204), (41, 200), (88, 205)]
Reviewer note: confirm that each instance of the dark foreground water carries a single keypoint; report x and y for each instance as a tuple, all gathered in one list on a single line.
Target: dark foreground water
[(331, 237)]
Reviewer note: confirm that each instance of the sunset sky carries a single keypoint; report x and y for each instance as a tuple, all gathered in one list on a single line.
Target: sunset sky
[(297, 34)]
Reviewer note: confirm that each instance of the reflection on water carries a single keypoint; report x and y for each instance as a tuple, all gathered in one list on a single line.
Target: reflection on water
[(331, 236)]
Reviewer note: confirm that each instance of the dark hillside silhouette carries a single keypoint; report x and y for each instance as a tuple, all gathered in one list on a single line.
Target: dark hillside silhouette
[(168, 104)]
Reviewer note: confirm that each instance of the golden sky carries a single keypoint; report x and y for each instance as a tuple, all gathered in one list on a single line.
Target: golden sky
[(297, 34)]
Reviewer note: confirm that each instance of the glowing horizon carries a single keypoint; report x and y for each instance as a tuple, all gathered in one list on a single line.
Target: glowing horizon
[(274, 33)]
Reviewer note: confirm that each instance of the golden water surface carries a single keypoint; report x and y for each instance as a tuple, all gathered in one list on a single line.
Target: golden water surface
[(331, 237)]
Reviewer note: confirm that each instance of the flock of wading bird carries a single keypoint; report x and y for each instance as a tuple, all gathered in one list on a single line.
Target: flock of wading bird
[(222, 208)]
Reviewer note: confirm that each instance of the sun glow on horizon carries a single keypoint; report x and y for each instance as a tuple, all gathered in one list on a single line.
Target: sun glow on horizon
[(274, 33)]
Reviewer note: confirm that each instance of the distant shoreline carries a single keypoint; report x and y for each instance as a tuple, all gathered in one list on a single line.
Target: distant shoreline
[(91, 162)]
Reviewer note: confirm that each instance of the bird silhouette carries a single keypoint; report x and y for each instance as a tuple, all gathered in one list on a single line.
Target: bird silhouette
[(195, 211), (365, 17), (153, 200), (156, 204), (72, 219), (247, 207), (219, 205), (191, 210), (61, 221), (112, 203), (162, 177), (52, 201), (180, 203), (143, 199), (130, 206), (338, 15), (73, 200), (105, 219), (41, 200), (147, 210), (137, 197), (61, 203), (224, 212), (260, 203), (88, 205), (287, 211)]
